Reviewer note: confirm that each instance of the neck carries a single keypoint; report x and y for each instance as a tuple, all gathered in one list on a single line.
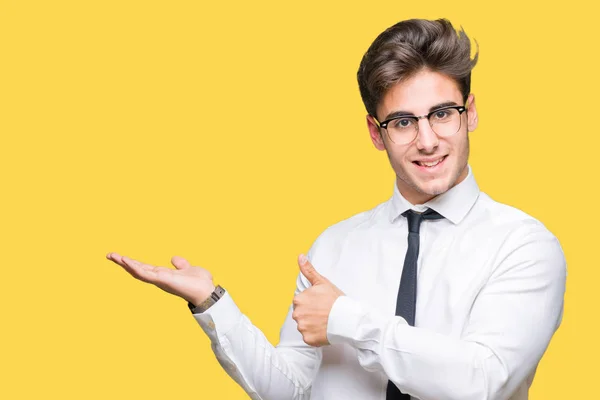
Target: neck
[(415, 197)]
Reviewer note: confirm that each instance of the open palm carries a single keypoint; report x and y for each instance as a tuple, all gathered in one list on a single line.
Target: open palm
[(194, 284)]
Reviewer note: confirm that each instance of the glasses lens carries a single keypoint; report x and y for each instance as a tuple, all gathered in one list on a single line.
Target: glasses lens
[(402, 130), (445, 122)]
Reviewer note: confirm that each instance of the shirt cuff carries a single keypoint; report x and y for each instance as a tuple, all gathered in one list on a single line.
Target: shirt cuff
[(350, 322), (220, 318), (344, 319)]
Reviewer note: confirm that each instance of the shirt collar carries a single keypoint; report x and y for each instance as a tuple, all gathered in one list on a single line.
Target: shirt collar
[(453, 204)]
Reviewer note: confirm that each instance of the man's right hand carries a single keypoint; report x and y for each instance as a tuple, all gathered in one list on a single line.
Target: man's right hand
[(194, 284)]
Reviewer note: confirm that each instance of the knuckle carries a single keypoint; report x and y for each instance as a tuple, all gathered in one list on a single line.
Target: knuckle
[(308, 339)]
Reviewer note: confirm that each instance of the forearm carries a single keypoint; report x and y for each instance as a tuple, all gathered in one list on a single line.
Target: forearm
[(508, 329), (429, 365), (262, 370), (425, 364)]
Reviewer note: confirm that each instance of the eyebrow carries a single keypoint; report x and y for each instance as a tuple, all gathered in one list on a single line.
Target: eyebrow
[(396, 114)]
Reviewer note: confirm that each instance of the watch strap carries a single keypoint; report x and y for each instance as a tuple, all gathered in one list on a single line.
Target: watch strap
[(206, 304)]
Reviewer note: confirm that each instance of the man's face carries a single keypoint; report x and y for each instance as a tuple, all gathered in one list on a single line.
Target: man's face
[(417, 182)]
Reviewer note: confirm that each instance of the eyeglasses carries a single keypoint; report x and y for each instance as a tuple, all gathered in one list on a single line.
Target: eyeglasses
[(445, 121)]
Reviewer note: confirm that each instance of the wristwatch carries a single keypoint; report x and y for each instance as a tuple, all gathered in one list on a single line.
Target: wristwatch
[(205, 305)]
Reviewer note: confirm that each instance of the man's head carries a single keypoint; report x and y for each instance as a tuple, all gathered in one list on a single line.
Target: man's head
[(413, 69)]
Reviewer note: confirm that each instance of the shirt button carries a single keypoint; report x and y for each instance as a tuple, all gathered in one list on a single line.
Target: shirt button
[(211, 325)]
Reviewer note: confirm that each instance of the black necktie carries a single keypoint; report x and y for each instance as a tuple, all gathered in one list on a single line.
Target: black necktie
[(407, 294)]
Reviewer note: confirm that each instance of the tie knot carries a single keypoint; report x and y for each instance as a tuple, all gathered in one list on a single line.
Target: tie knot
[(415, 218)]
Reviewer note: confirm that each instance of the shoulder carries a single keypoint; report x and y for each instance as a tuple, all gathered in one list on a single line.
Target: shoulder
[(508, 219), (361, 222), (330, 242), (523, 240)]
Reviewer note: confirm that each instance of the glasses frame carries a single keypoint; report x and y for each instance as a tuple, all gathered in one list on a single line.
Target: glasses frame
[(384, 124)]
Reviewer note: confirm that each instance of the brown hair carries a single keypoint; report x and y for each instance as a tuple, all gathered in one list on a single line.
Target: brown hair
[(409, 46)]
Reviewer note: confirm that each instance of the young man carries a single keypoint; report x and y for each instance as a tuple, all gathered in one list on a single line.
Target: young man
[(438, 293)]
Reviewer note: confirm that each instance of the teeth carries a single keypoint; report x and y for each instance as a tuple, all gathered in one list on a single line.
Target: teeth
[(430, 164)]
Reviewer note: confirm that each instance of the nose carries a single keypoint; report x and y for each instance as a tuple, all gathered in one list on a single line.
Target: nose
[(427, 139)]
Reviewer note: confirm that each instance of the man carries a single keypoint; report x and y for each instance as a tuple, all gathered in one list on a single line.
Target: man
[(438, 293)]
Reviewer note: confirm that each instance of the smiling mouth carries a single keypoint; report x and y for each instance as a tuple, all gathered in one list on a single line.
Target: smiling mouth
[(430, 164)]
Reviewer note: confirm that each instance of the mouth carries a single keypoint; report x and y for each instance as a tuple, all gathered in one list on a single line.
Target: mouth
[(430, 165)]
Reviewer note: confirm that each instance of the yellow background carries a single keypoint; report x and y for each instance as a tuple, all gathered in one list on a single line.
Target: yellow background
[(233, 134)]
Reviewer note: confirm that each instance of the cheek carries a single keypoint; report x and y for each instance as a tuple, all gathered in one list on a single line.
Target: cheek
[(399, 163), (460, 143), (464, 146), (460, 158), (397, 156)]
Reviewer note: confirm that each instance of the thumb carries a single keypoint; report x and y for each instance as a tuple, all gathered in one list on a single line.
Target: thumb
[(180, 262), (309, 271)]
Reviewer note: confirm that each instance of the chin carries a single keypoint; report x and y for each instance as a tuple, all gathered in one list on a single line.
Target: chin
[(438, 182), (434, 188), (422, 187)]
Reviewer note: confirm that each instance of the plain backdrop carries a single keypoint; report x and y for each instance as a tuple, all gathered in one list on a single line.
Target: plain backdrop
[(233, 134)]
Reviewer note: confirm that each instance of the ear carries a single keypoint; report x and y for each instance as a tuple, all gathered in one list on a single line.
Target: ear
[(472, 119), (375, 133)]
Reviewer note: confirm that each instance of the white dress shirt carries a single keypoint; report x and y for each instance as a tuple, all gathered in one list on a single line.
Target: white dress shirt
[(491, 283)]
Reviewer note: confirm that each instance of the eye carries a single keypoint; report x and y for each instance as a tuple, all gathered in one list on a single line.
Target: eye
[(441, 114), (401, 123)]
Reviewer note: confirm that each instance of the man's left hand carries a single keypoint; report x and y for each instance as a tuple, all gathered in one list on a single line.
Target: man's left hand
[(313, 305)]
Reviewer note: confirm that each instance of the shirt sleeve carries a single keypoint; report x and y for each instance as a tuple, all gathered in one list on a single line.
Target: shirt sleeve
[(265, 372), (510, 326)]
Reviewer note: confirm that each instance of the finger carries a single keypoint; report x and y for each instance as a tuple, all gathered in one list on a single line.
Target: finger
[(180, 262), (296, 301), (309, 271), (115, 257), (145, 272), (118, 259)]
